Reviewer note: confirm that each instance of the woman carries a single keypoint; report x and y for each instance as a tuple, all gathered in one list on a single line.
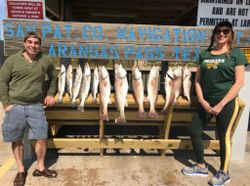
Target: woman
[(219, 77)]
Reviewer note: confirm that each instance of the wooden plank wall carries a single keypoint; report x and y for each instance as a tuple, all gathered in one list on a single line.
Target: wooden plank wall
[(115, 41)]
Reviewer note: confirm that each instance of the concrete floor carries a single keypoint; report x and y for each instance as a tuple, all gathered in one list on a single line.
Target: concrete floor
[(77, 167)]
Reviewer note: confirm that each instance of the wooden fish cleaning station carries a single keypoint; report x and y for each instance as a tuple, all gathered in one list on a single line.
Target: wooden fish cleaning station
[(124, 43), (175, 116)]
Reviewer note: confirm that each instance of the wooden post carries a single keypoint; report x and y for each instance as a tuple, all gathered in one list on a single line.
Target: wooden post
[(164, 133)]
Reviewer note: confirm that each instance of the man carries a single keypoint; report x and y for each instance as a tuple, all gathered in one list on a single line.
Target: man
[(22, 78)]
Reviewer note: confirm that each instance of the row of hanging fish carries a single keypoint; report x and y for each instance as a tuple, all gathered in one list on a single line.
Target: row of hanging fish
[(79, 85), (177, 82)]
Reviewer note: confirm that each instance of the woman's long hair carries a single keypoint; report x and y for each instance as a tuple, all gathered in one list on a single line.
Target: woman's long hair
[(225, 24)]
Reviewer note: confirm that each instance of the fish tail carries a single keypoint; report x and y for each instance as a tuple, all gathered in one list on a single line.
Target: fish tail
[(152, 114), (165, 107), (80, 108), (59, 100), (163, 111), (120, 120), (94, 100), (73, 102), (104, 117), (141, 114), (60, 97)]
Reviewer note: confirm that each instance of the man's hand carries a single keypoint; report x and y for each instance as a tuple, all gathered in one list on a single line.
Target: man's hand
[(8, 108), (49, 101)]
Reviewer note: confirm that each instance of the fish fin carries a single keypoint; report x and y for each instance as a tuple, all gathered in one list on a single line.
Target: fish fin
[(137, 84), (105, 83), (121, 83), (153, 83), (170, 102)]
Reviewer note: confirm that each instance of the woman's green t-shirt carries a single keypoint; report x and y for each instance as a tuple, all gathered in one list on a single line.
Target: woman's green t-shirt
[(218, 71)]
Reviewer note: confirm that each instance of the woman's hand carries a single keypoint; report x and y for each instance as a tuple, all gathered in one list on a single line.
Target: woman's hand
[(217, 109), (206, 105)]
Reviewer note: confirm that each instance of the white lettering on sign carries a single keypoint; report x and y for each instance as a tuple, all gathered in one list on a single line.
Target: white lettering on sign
[(25, 9)]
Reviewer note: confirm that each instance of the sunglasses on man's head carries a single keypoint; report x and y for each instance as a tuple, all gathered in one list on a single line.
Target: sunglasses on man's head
[(225, 31)]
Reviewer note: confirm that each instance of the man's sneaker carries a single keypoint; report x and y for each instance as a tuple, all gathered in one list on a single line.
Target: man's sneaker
[(219, 179), (195, 170)]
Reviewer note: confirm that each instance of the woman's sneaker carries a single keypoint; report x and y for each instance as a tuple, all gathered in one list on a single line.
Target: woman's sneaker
[(219, 179), (195, 170)]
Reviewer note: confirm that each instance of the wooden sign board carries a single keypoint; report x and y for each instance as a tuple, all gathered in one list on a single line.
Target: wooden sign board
[(115, 41)]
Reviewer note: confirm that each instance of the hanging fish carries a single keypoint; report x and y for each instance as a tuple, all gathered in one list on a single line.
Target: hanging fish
[(187, 82), (95, 84), (138, 90), (178, 82), (169, 89), (104, 92), (85, 86), (121, 92), (61, 83), (69, 80), (76, 84), (152, 89)]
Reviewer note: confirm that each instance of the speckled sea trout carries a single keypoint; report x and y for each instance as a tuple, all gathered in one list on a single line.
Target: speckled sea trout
[(61, 82), (85, 86), (76, 84), (69, 80)]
